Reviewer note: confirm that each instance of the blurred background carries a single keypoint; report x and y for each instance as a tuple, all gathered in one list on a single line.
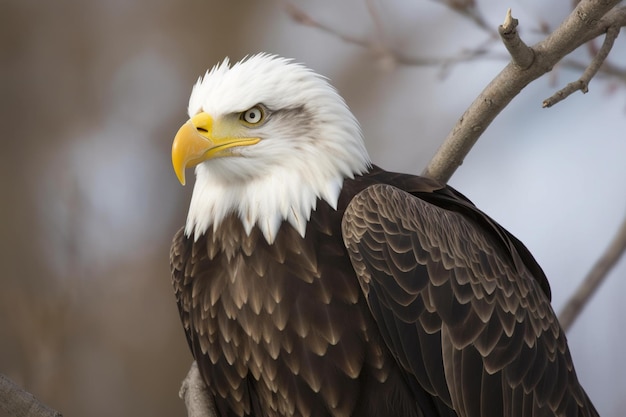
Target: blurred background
[(92, 93)]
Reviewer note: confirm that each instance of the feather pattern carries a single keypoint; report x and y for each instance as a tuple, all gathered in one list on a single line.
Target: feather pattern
[(460, 296), (284, 328), (430, 309)]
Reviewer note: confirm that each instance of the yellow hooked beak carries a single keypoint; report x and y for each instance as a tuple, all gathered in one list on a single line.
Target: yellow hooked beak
[(200, 139)]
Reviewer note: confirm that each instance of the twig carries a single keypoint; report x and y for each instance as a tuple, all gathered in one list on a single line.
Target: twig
[(594, 278), (15, 401), (377, 46), (194, 392), (589, 20), (582, 83), (467, 8), (521, 54), (607, 70), (300, 16), (378, 24)]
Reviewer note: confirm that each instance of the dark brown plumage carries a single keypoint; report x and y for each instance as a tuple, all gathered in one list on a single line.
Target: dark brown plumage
[(404, 301)]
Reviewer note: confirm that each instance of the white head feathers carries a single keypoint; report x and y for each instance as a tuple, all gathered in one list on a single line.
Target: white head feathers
[(310, 142)]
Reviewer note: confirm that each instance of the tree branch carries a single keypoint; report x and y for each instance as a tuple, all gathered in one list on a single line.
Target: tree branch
[(583, 82), (589, 19), (194, 392), (468, 8), (300, 16), (15, 401), (594, 278), (378, 46)]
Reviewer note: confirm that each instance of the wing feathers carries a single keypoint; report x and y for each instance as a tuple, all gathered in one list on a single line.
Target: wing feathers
[(450, 290)]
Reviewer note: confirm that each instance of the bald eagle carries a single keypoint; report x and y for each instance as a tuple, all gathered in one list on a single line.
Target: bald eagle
[(313, 283)]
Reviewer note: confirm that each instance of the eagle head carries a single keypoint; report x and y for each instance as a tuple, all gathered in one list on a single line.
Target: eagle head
[(268, 137)]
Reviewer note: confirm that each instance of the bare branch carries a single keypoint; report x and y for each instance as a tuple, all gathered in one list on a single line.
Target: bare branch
[(385, 52), (377, 46), (194, 392), (15, 401), (582, 83), (467, 8), (594, 278), (521, 54), (378, 24), (305, 19), (607, 70), (589, 20)]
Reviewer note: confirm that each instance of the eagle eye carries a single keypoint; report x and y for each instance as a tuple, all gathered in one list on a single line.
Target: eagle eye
[(253, 115)]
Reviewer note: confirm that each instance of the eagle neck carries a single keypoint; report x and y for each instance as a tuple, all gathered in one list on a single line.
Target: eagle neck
[(266, 202)]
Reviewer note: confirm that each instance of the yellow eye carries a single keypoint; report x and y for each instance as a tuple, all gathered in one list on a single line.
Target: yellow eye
[(253, 115)]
